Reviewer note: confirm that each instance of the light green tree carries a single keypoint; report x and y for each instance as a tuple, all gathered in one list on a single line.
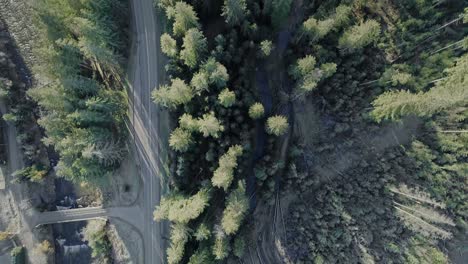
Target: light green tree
[(202, 232), (168, 45), (221, 247), (277, 125), (266, 46), (184, 18), (239, 246), (447, 93), (201, 256), (176, 94), (227, 98), (180, 139), (216, 72), (360, 35), (209, 125), (256, 111), (236, 207), (234, 11), (224, 174), (194, 47), (180, 234), (187, 122), (200, 82), (180, 209)]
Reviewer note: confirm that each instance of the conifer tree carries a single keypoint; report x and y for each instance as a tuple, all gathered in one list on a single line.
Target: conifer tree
[(194, 47), (266, 46), (168, 45), (224, 174), (180, 139), (227, 98), (209, 125), (448, 93), (234, 11), (221, 247), (180, 209), (176, 94), (256, 111), (277, 125), (359, 36), (237, 205), (216, 72), (184, 18)]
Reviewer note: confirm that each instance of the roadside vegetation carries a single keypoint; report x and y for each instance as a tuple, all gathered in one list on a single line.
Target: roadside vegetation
[(241, 73), (81, 91), (95, 233)]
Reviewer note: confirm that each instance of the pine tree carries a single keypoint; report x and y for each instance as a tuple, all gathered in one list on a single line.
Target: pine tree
[(200, 82), (180, 139), (239, 246), (221, 248), (266, 46), (209, 125), (359, 36), (172, 96), (180, 209), (185, 18), (277, 125), (168, 45), (234, 11), (236, 208), (256, 111), (194, 47), (447, 94), (187, 122), (279, 11), (202, 232), (224, 174), (227, 98), (216, 72)]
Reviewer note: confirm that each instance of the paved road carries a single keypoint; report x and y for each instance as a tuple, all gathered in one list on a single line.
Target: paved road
[(149, 123)]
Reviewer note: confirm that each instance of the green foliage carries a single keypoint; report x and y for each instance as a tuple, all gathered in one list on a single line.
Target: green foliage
[(446, 94), (201, 257), (234, 11), (237, 205), (221, 248), (184, 17), (209, 125), (308, 76), (95, 233), (279, 11), (266, 46), (318, 29), (239, 247), (180, 139), (194, 47), (10, 117), (181, 209), (224, 174), (200, 82), (227, 98), (202, 232), (359, 36), (187, 122), (216, 72), (33, 173), (277, 125), (256, 111), (84, 102), (178, 93), (180, 234), (18, 255), (169, 45)]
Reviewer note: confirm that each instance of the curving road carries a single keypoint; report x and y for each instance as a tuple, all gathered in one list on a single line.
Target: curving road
[(149, 123)]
